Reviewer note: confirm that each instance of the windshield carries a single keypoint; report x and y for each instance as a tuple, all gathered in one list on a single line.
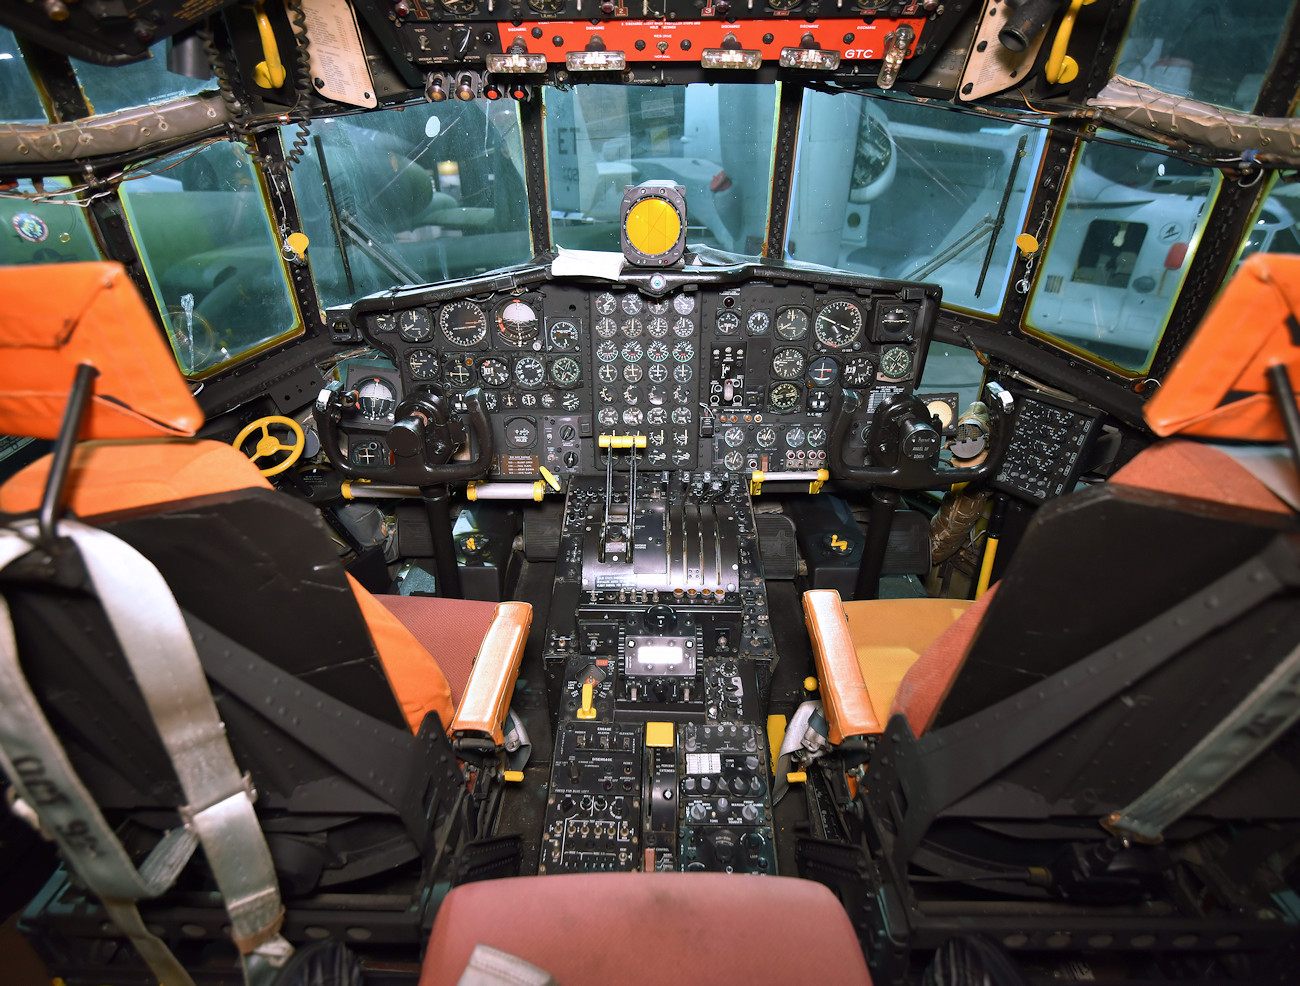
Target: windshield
[(907, 191), (715, 141), (408, 196)]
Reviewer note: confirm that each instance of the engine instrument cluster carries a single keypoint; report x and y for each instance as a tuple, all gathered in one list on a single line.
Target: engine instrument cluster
[(733, 370)]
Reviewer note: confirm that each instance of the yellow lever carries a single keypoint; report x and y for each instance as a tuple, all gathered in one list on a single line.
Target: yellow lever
[(270, 73), (1060, 67), (588, 711)]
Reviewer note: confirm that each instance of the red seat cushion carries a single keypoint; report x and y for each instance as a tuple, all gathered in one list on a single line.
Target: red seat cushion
[(651, 928), (449, 629)]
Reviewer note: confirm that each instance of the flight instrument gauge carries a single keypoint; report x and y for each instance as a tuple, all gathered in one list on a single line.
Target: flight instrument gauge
[(423, 364), (788, 364), (794, 437), (415, 325), (683, 328), (376, 398), (607, 328), (633, 327), (734, 436), (683, 351), (366, 453), (734, 460), (517, 322), (565, 371), (459, 371), (632, 351), (757, 323), (683, 304), (791, 324), (823, 371), (838, 325), (681, 415), (387, 322), (494, 372), (783, 398), (606, 303), (766, 436), (564, 334), (633, 416), (656, 416), (658, 327), (659, 306), (894, 322), (895, 363), (817, 436), (546, 6), (728, 323), (463, 323), (682, 373), (631, 304), (859, 371), (632, 373), (607, 351), (657, 351), (530, 372), (657, 372), (608, 417)]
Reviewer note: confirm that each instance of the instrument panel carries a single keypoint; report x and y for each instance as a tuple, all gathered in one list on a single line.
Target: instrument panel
[(726, 372)]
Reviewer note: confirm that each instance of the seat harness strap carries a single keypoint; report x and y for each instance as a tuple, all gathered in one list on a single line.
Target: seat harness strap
[(157, 645)]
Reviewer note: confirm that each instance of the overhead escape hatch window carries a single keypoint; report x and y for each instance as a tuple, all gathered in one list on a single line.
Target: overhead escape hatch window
[(143, 83)]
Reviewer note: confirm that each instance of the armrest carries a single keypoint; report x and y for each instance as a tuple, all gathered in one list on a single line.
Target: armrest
[(492, 681), (847, 705)]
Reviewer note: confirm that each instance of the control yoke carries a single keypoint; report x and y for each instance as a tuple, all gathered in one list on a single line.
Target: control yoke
[(425, 434), (905, 445)]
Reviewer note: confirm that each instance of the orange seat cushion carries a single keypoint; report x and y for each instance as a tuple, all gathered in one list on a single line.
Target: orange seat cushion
[(646, 929), (1188, 468), (112, 476)]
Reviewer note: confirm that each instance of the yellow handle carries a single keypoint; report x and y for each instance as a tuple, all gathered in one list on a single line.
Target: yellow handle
[(986, 567), (269, 74), (1060, 67), (587, 711)]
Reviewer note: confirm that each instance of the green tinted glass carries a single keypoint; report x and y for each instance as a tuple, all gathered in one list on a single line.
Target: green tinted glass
[(1120, 247), (1276, 226), (410, 196), (143, 83), (715, 141), (1217, 53), (53, 232), (19, 100), (908, 191), (213, 260)]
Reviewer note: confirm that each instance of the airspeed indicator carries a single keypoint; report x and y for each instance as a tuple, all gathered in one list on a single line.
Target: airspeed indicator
[(838, 325)]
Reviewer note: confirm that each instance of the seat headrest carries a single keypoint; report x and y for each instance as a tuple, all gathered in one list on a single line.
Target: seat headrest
[(1218, 387), (57, 316)]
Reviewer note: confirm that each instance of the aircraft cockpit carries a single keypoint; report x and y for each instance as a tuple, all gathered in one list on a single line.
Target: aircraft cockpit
[(555, 491)]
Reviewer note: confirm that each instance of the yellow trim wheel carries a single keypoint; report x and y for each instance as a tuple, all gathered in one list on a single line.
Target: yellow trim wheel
[(269, 445)]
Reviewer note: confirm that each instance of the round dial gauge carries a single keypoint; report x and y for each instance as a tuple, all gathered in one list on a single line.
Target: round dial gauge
[(659, 306), (794, 437), (565, 371), (460, 6), (387, 322), (859, 371), (423, 364), (546, 6), (784, 398), (463, 323), (838, 325), (366, 453), (655, 395), (607, 328), (607, 373), (632, 351), (657, 372), (895, 363), (633, 327), (757, 323), (728, 322), (784, 4), (632, 304), (823, 371), (683, 304), (376, 398), (788, 364), (606, 395), (632, 372), (656, 416), (459, 371), (942, 410), (894, 322), (632, 395), (633, 416), (415, 325), (564, 334), (683, 351), (817, 436), (681, 415), (766, 436), (657, 351), (494, 372), (734, 436), (734, 460), (608, 417), (682, 396), (517, 322), (683, 328), (682, 373), (606, 303), (530, 372), (791, 324), (658, 327), (607, 351)]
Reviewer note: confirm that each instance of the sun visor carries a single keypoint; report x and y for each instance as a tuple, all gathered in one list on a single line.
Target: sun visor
[(1218, 387), (58, 316)]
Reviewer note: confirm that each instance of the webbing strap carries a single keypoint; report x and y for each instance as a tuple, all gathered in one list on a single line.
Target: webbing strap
[(156, 642)]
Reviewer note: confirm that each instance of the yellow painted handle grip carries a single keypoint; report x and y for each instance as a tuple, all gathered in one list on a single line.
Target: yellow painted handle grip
[(269, 74), (1061, 68)]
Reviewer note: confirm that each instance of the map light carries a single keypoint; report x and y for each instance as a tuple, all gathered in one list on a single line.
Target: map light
[(653, 227)]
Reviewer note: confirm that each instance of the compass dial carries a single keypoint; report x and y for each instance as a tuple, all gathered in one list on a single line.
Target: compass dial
[(565, 371), (895, 363), (783, 398)]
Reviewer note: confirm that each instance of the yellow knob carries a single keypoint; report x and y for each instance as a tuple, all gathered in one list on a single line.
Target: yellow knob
[(810, 684), (587, 711), (1027, 243)]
